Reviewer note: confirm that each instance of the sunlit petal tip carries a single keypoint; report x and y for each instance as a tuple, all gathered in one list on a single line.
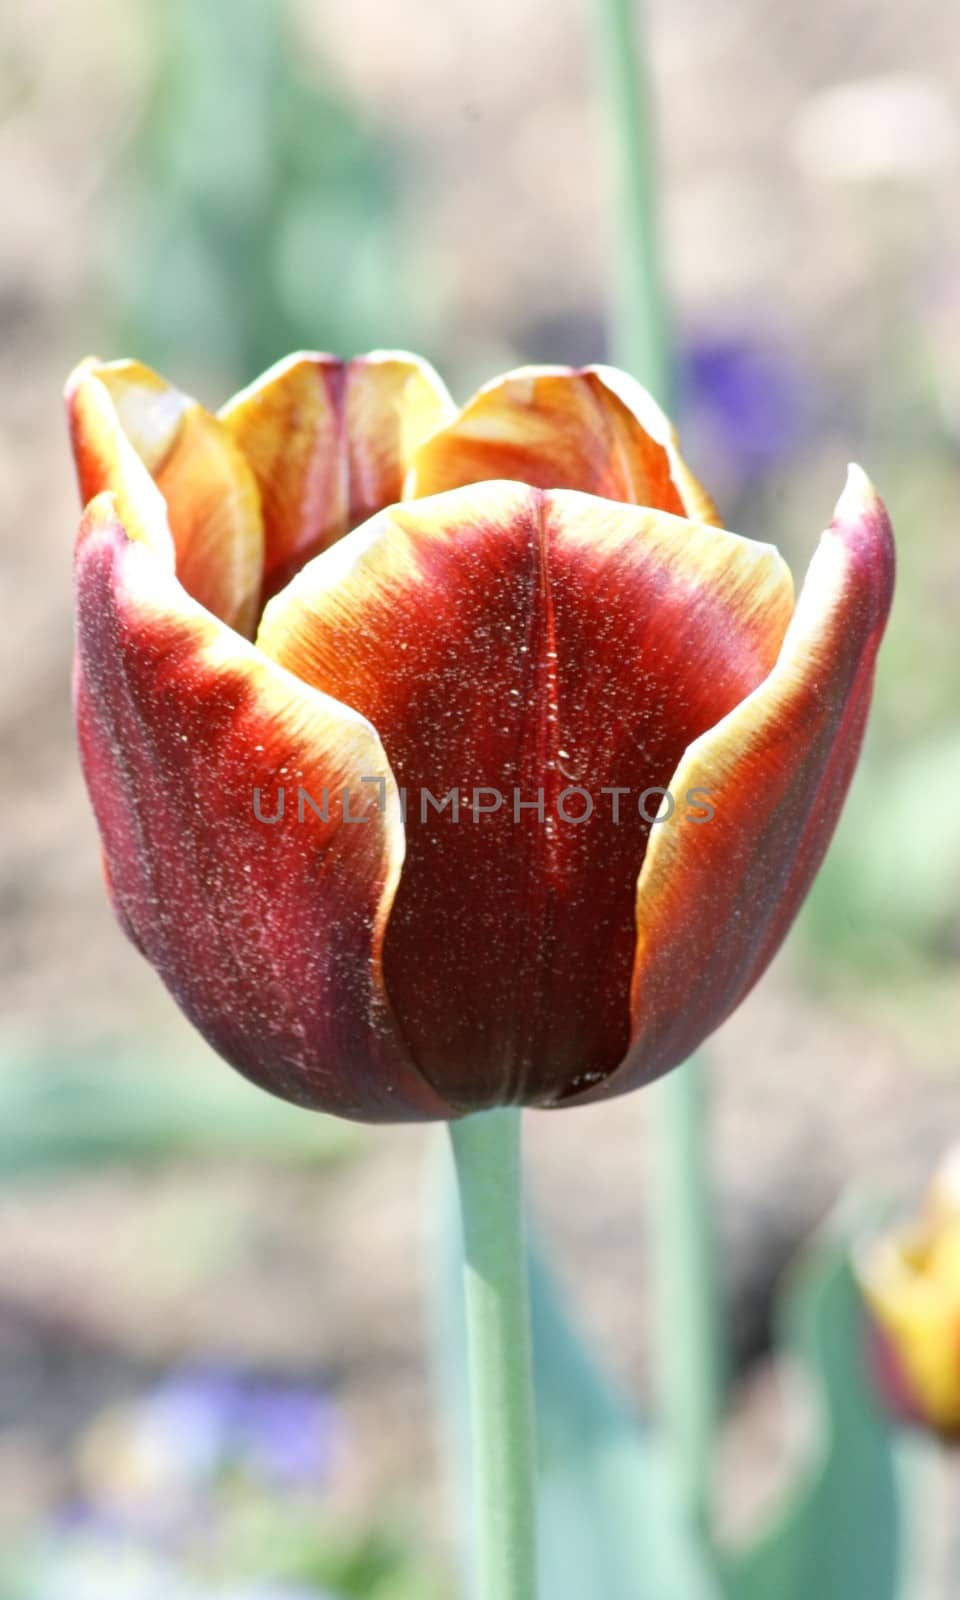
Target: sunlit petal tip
[(417, 367), (83, 369), (102, 516), (862, 523), (268, 933), (176, 474), (857, 489), (106, 460)]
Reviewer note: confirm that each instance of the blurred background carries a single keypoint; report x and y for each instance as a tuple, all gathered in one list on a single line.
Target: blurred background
[(211, 1307)]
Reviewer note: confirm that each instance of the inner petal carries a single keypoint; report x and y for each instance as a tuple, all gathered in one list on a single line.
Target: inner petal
[(329, 442), (210, 500), (529, 651), (594, 429)]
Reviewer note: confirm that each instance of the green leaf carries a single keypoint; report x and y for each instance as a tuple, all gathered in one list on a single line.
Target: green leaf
[(838, 1537), (610, 1521), (80, 1112)]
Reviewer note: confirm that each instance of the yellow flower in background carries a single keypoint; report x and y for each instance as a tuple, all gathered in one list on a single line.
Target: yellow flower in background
[(911, 1282)]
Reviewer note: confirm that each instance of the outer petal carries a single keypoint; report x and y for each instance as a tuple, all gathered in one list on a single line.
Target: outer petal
[(269, 936), (508, 639), (594, 429), (124, 418), (714, 901), (329, 442)]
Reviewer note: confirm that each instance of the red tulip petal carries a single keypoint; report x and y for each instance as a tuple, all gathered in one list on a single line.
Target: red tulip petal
[(330, 442), (714, 901), (269, 936), (210, 500), (559, 428), (501, 636)]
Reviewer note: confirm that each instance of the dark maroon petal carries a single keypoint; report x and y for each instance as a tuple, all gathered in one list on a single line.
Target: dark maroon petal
[(506, 639), (269, 936)]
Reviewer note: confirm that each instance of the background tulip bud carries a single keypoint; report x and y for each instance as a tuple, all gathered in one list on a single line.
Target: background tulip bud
[(911, 1284)]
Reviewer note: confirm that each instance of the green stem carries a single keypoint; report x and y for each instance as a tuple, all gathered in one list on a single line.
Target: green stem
[(641, 333), (687, 1340), (688, 1348), (486, 1151)]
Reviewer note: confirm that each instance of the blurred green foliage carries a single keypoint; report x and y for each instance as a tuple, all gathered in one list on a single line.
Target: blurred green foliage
[(612, 1520), (255, 209), (886, 905), (839, 1532), (55, 1115), (377, 1563), (299, 1553)]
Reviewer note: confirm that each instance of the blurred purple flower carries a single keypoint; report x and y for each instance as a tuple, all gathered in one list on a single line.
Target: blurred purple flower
[(288, 1433), (189, 1416), (217, 1418), (153, 1463), (746, 396)]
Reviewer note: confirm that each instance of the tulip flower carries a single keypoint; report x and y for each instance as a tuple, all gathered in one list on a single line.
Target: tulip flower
[(911, 1283), (446, 759)]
